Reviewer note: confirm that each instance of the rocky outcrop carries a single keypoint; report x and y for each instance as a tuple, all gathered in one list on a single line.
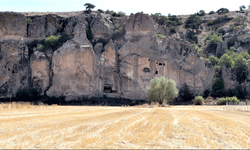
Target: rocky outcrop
[(12, 24), (119, 67), (44, 26), (14, 66), (74, 71), (101, 28), (221, 48), (40, 72)]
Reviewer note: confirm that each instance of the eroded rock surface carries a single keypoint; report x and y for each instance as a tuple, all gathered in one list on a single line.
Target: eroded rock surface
[(119, 67)]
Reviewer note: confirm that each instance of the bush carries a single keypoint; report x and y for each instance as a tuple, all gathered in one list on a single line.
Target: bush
[(214, 60), (211, 12), (211, 41), (160, 36), (198, 100), (201, 13), (100, 10), (185, 93), (218, 84), (29, 21), (222, 101), (210, 22), (207, 93), (161, 90), (27, 95)]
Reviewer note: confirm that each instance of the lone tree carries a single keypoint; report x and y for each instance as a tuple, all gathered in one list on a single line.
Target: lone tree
[(89, 6), (242, 7), (161, 90)]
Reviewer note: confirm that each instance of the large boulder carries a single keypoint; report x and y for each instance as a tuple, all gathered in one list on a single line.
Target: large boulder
[(74, 71)]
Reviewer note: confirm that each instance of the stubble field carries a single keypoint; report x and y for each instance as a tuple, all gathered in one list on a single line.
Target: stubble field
[(124, 127)]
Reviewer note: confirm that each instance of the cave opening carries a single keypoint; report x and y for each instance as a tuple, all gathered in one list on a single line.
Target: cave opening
[(107, 89), (160, 64), (146, 70), (156, 72)]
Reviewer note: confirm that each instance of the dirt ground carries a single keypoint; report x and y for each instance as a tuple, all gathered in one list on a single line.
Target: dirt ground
[(124, 127)]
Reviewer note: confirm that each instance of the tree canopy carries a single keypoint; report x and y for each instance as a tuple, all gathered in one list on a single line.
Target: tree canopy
[(193, 22), (222, 11), (89, 6), (241, 69), (161, 90)]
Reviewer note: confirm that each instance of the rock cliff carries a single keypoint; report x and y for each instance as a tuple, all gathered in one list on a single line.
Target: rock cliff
[(117, 59)]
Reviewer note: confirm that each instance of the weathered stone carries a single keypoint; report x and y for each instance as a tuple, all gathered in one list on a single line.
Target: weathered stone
[(221, 48), (39, 71), (100, 28), (44, 26), (98, 48), (14, 68), (74, 71), (12, 24)]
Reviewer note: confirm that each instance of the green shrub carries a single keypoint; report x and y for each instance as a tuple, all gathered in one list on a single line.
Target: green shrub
[(198, 100), (210, 22), (160, 36), (196, 48), (222, 101), (161, 90), (52, 40), (29, 21), (214, 60)]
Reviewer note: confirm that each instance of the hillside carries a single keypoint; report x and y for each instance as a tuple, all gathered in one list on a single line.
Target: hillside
[(83, 55)]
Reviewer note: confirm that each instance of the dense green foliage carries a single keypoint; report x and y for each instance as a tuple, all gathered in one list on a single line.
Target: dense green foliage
[(241, 69), (218, 84), (170, 22), (214, 60), (161, 90), (222, 101), (227, 60), (198, 100), (193, 22), (211, 41)]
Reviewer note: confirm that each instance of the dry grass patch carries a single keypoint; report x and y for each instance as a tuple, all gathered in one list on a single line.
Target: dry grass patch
[(124, 127)]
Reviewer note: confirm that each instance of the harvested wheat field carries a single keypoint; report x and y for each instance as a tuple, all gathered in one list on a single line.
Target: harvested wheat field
[(124, 127)]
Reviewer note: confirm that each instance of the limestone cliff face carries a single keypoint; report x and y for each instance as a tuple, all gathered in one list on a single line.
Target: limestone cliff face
[(14, 66), (119, 67)]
